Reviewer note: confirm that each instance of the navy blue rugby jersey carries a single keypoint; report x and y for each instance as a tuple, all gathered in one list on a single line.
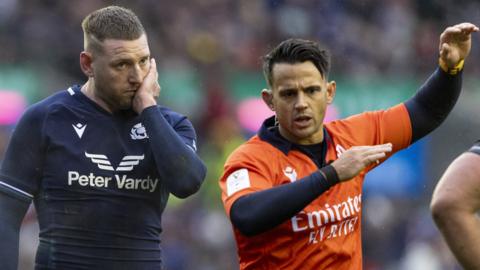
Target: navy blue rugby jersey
[(93, 181)]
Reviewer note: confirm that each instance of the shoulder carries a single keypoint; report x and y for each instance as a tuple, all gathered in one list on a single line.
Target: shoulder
[(173, 117), (254, 150), (40, 110)]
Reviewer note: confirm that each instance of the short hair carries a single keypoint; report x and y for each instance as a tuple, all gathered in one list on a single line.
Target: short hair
[(112, 22), (293, 51)]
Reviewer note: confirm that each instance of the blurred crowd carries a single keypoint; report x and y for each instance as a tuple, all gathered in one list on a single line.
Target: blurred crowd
[(209, 59)]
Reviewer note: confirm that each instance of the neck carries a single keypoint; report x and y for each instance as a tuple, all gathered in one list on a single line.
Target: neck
[(89, 90), (314, 139)]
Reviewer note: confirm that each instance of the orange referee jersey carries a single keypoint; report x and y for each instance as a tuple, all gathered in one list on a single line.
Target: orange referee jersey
[(327, 233)]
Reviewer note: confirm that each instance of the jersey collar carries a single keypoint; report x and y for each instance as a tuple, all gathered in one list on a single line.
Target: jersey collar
[(270, 133)]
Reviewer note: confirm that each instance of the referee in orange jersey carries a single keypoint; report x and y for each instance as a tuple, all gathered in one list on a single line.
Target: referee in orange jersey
[(293, 192)]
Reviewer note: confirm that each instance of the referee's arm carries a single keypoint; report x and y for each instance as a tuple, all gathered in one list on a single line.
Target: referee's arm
[(454, 206)]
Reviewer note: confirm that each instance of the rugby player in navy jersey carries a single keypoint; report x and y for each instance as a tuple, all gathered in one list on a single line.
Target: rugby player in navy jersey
[(455, 206), (99, 160)]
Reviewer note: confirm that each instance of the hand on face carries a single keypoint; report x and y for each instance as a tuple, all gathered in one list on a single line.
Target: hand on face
[(357, 158), (455, 43), (148, 91)]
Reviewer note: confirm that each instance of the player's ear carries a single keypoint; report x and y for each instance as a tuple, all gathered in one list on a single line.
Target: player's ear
[(331, 90), (86, 63), (267, 97)]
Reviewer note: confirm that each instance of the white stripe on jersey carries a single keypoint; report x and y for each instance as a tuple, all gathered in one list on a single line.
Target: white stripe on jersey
[(475, 148), (16, 189), (70, 91)]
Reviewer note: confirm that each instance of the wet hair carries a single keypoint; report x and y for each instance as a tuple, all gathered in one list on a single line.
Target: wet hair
[(112, 22), (294, 51)]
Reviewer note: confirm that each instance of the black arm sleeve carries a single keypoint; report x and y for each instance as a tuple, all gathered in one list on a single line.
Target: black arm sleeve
[(263, 210), (178, 165), (429, 107), (12, 211)]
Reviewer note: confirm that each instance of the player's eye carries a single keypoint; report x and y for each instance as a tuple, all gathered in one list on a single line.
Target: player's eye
[(121, 65), (144, 61)]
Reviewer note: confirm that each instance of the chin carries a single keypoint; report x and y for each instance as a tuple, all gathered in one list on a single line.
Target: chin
[(125, 106)]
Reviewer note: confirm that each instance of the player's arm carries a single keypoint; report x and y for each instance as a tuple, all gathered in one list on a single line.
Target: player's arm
[(260, 211), (174, 151), (429, 107), (177, 163), (454, 206), (20, 170), (12, 211)]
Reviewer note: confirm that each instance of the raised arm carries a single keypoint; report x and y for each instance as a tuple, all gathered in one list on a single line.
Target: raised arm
[(430, 106), (174, 151), (454, 206), (172, 143)]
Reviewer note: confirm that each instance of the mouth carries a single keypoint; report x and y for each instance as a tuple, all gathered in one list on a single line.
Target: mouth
[(130, 92), (302, 121)]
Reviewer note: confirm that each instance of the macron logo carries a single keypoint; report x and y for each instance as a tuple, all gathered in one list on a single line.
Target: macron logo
[(126, 165), (79, 129)]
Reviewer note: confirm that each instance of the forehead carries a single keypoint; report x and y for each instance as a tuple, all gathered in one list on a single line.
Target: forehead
[(119, 49), (289, 74)]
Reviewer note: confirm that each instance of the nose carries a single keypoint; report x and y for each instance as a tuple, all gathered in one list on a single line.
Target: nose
[(135, 74), (301, 102)]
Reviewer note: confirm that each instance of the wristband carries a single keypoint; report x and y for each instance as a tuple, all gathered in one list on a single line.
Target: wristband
[(330, 174), (454, 70)]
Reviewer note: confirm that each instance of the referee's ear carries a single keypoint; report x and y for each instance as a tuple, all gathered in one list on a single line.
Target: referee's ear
[(331, 90), (86, 63), (267, 97)]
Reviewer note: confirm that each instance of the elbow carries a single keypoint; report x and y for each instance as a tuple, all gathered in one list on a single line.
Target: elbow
[(192, 182), (187, 190), (244, 226), (442, 209), (244, 221)]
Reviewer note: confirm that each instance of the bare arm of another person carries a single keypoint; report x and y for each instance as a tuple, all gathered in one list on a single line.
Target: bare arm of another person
[(454, 206)]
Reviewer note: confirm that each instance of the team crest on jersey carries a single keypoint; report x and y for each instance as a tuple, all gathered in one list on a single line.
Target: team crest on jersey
[(290, 173), (138, 132), (340, 150), (126, 165)]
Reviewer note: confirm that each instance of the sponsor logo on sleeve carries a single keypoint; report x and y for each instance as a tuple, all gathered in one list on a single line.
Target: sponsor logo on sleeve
[(193, 146), (237, 181)]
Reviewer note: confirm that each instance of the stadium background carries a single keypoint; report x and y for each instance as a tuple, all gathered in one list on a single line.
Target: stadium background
[(208, 53)]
